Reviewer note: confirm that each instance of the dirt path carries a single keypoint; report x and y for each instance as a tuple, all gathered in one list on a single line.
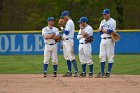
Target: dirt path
[(35, 83)]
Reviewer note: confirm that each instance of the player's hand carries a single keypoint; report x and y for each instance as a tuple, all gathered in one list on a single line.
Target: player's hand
[(100, 29), (53, 35), (81, 27), (83, 33)]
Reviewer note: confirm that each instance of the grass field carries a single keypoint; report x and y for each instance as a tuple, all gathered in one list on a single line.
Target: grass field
[(32, 64)]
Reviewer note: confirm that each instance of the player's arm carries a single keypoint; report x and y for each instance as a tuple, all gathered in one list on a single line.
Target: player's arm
[(110, 29), (79, 36), (89, 38), (100, 28), (64, 31), (105, 31), (67, 28), (56, 35), (89, 31), (84, 34), (48, 36)]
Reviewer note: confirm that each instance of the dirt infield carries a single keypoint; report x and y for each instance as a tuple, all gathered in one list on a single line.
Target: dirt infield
[(35, 83)]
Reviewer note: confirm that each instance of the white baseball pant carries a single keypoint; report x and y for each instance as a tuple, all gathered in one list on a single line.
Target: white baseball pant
[(68, 49), (50, 51), (107, 50), (85, 54)]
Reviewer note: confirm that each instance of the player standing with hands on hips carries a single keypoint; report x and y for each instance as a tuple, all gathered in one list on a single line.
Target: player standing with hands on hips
[(68, 44), (85, 49), (107, 26), (50, 35)]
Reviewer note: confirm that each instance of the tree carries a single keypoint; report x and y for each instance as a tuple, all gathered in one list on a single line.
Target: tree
[(120, 11), (1, 7)]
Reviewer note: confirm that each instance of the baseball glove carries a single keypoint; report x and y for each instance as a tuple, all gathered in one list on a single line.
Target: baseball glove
[(89, 39), (61, 22), (115, 36), (59, 38)]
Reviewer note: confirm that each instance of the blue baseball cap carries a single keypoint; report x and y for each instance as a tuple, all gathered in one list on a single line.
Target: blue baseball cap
[(50, 19), (65, 13), (83, 19), (106, 11)]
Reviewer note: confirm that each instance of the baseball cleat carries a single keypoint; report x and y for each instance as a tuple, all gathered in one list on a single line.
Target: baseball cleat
[(55, 74), (45, 74), (82, 75), (100, 75), (90, 75), (68, 74), (107, 75), (75, 74)]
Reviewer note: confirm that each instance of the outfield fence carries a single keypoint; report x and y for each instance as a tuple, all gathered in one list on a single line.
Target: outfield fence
[(31, 42)]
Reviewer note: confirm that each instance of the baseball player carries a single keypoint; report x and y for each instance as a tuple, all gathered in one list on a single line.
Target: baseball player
[(107, 26), (50, 34), (85, 47), (68, 44)]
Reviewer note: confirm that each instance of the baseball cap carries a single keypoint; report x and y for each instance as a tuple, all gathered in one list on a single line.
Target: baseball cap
[(106, 11), (65, 13), (83, 19), (50, 19)]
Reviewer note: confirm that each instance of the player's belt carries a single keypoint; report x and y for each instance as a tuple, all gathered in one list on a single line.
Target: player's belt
[(106, 38), (51, 44), (68, 38), (83, 43)]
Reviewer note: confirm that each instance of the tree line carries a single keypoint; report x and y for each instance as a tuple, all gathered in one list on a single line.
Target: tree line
[(32, 14)]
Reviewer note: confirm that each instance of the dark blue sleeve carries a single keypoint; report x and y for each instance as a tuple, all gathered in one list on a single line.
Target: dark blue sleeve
[(66, 32), (109, 31), (100, 32)]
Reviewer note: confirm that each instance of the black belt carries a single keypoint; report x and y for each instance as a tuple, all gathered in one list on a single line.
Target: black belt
[(68, 38), (51, 44), (83, 43), (107, 38)]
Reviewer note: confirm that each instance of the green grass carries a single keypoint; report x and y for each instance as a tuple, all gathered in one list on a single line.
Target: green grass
[(33, 64)]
